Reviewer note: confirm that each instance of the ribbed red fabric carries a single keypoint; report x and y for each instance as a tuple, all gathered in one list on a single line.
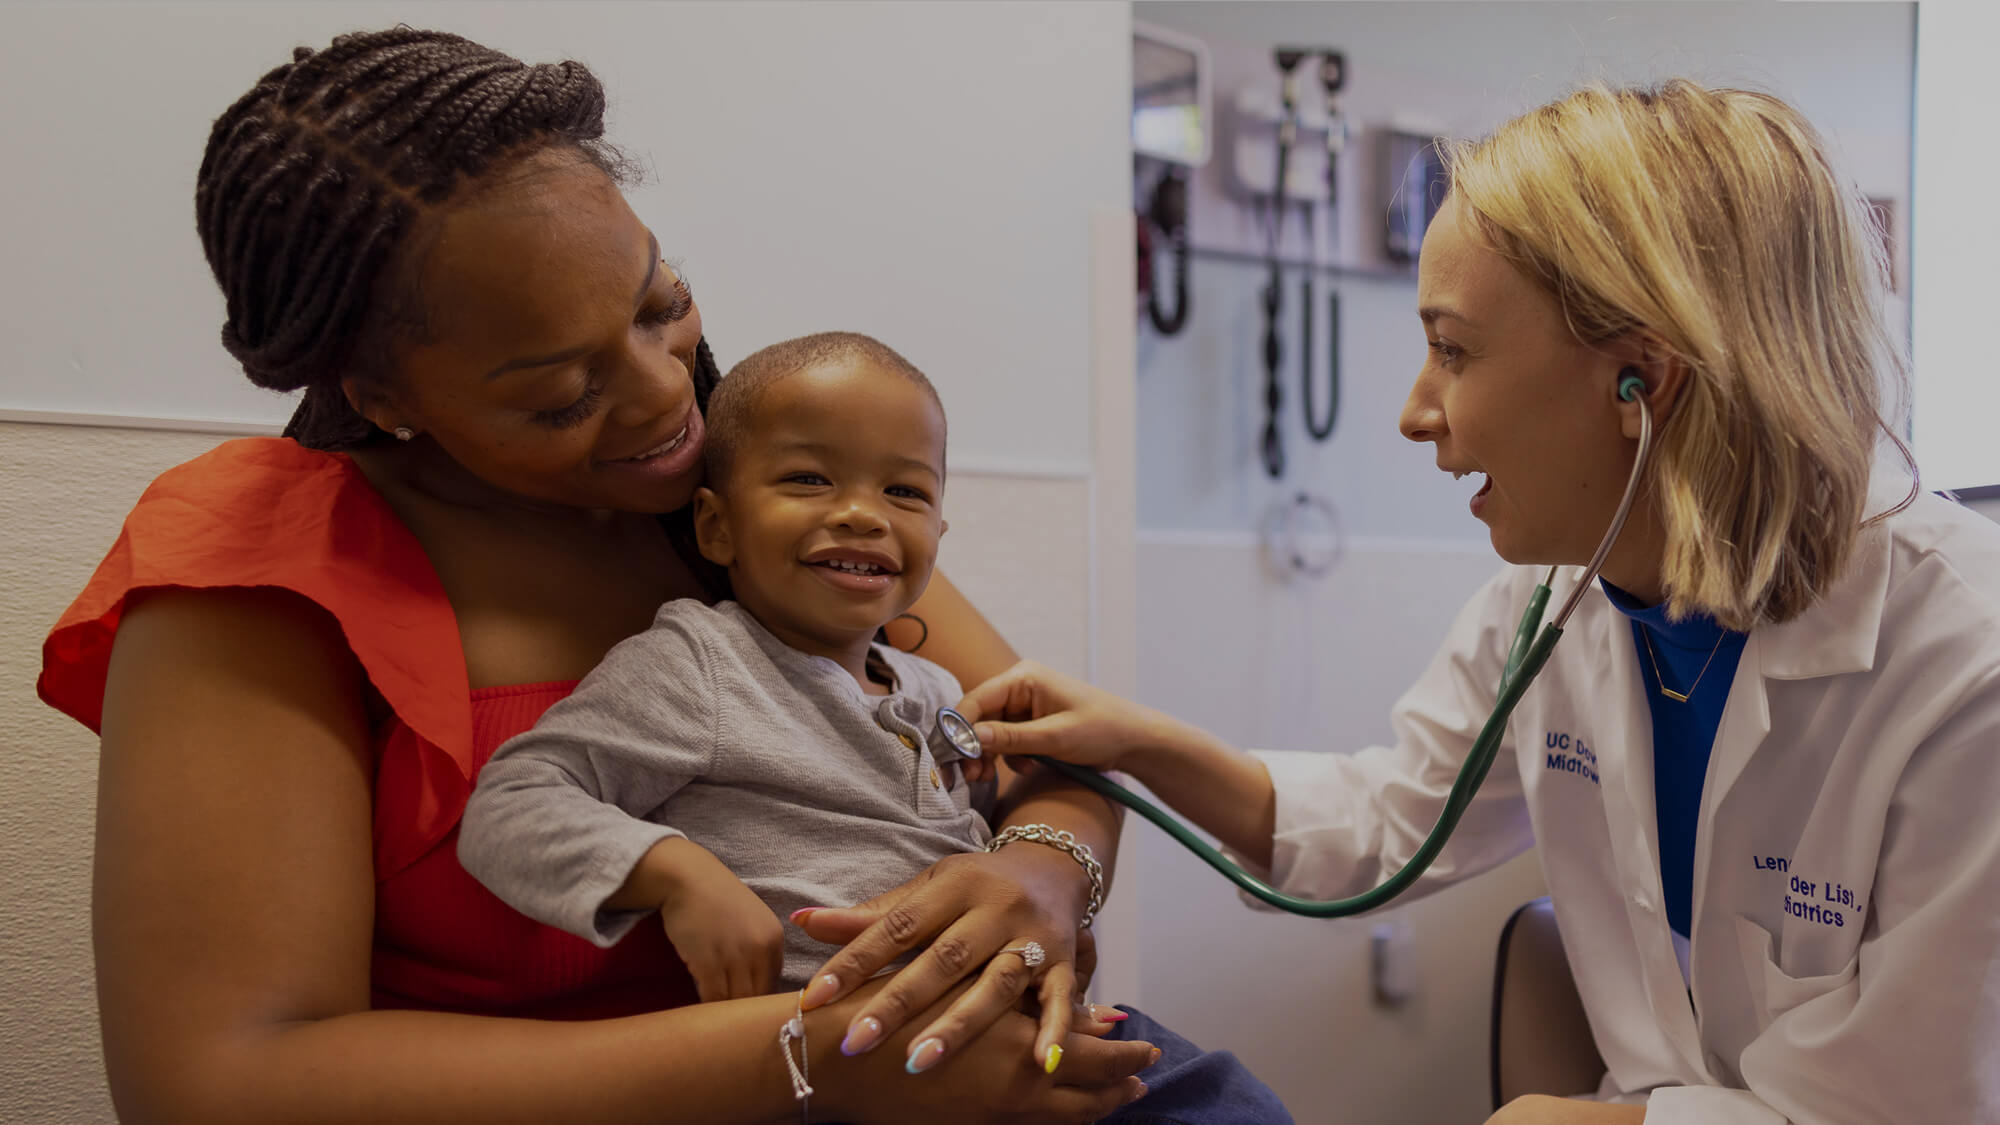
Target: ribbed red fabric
[(443, 941), (267, 512)]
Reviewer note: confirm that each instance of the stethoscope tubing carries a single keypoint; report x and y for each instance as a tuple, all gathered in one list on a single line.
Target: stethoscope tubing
[(1526, 656), (1484, 749)]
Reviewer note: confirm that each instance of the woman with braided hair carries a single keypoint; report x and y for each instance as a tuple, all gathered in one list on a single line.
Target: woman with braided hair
[(300, 651)]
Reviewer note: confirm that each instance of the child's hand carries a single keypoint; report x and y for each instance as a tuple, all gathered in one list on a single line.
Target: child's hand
[(733, 945)]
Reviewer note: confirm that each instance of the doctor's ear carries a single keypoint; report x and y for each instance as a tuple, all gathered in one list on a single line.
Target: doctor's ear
[(1661, 374), (711, 529)]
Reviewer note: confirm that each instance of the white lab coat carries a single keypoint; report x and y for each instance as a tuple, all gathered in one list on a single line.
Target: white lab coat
[(1846, 923)]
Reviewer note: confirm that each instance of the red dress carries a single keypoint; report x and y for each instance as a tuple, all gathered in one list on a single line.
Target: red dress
[(268, 512)]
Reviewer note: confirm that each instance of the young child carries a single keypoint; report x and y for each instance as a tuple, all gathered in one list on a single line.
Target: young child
[(739, 761)]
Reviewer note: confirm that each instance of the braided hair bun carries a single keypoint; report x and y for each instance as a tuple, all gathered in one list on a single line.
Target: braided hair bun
[(314, 179)]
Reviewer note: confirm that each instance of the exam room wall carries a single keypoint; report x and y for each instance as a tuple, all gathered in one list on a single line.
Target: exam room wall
[(1316, 665), (1848, 66)]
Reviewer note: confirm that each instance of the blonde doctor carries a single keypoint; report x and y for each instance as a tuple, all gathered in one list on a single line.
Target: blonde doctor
[(1762, 765)]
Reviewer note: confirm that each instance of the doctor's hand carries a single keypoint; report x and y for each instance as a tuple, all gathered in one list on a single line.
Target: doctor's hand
[(1029, 709)]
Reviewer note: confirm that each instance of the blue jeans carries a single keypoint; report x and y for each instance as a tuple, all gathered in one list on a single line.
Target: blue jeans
[(1190, 1086)]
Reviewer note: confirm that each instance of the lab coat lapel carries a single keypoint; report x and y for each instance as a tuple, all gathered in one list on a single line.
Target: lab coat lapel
[(1836, 637), (1746, 720), (1626, 755)]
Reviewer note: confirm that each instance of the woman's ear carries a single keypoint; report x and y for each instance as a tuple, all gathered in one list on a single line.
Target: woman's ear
[(1663, 372), (377, 405), (711, 530)]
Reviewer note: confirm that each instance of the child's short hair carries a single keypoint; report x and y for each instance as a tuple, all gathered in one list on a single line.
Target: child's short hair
[(734, 402)]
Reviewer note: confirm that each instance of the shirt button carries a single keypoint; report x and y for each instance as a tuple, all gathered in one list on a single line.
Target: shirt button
[(936, 782), (1640, 900), (908, 742)]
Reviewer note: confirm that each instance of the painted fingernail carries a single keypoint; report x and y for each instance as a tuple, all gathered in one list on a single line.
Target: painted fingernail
[(861, 1035), (800, 914), (925, 1056), (1155, 1058), (1052, 1058), (1105, 1013), (823, 988), (1137, 1096)]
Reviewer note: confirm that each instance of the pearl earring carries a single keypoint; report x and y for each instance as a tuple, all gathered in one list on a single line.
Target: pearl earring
[(405, 433)]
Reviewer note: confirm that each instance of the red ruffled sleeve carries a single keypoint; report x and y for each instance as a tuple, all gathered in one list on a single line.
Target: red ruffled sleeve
[(269, 512)]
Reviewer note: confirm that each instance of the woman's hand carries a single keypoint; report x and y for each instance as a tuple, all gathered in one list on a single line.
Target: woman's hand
[(1029, 709), (988, 1078), (965, 909)]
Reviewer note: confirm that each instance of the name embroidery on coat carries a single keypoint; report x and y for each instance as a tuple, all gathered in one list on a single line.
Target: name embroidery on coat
[(1827, 902)]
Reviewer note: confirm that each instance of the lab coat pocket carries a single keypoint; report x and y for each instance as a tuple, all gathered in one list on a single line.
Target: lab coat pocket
[(1775, 992)]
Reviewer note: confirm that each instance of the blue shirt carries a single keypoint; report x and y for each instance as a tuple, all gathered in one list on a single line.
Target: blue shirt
[(1696, 657)]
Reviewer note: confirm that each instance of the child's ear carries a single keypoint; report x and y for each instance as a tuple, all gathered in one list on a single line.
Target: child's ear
[(711, 530), (944, 525)]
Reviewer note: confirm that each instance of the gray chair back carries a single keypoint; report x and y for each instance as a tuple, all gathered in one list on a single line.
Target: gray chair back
[(1541, 1040)]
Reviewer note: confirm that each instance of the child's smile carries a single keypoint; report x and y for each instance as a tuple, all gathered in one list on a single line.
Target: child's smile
[(863, 572), (831, 511)]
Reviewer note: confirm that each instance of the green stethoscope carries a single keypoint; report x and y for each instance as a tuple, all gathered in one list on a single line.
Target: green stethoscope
[(1524, 661)]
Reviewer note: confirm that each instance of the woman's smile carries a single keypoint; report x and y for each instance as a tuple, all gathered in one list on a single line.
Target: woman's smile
[(668, 460)]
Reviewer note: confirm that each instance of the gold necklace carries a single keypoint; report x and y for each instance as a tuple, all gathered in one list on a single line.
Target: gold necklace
[(1646, 635)]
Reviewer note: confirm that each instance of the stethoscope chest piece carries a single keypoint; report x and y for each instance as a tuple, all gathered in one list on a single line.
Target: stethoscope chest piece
[(953, 736)]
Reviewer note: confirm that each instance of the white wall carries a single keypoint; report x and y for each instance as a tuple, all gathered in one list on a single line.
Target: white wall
[(924, 173), (1954, 244), (1264, 662)]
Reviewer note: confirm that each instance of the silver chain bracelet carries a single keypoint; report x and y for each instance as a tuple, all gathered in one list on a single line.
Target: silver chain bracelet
[(1061, 840)]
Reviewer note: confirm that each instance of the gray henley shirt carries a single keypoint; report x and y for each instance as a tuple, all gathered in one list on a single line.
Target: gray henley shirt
[(708, 727)]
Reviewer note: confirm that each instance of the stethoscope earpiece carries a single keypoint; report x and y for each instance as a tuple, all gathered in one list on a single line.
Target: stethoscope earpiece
[(1630, 386)]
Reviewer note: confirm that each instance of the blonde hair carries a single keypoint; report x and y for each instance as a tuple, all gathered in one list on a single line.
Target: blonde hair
[(1712, 220)]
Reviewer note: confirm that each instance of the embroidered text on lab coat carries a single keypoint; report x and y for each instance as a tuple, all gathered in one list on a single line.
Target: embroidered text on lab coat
[(1571, 755), (1827, 902)]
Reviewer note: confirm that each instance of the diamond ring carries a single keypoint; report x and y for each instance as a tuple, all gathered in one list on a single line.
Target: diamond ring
[(1031, 953)]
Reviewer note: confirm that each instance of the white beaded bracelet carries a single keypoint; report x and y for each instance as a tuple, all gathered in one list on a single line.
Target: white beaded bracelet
[(1061, 840), (795, 1028)]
